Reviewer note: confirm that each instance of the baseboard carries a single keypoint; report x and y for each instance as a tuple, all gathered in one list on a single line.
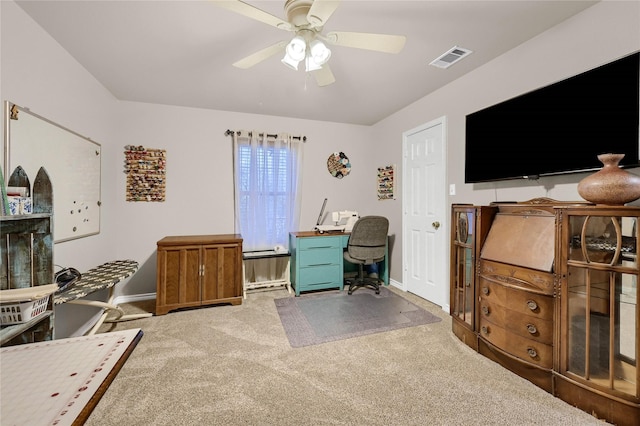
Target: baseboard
[(396, 284), (133, 298), (400, 286)]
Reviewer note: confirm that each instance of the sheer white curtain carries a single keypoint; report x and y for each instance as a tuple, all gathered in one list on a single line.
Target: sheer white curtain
[(267, 175)]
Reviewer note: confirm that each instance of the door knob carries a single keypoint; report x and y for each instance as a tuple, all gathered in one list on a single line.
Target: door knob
[(436, 224)]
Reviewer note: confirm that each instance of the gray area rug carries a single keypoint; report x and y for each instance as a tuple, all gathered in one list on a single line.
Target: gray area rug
[(316, 318)]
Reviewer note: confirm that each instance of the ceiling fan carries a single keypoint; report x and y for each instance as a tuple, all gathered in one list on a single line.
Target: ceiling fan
[(306, 18)]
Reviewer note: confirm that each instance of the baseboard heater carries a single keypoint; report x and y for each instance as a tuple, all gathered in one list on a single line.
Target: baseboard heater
[(266, 269)]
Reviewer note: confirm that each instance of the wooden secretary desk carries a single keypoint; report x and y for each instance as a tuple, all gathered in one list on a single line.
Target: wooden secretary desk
[(549, 290)]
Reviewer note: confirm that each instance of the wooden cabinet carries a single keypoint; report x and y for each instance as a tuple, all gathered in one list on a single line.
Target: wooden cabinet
[(599, 315), (316, 261), (198, 270), (556, 299), (469, 227), (26, 256)]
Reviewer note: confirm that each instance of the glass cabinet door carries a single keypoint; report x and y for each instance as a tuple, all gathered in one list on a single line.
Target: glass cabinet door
[(601, 299), (463, 294)]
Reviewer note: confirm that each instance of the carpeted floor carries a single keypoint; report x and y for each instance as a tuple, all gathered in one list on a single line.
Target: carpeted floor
[(233, 365), (327, 316)]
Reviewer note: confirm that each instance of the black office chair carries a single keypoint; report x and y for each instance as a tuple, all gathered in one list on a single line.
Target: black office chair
[(367, 245)]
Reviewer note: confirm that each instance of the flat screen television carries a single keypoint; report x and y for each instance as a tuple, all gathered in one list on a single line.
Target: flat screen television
[(560, 128)]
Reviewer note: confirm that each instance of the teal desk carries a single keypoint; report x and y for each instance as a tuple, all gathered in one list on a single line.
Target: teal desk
[(317, 261)]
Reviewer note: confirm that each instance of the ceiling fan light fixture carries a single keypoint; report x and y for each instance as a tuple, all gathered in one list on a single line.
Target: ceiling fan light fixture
[(295, 52), (288, 61), (319, 52), (296, 48), (311, 64), (306, 18)]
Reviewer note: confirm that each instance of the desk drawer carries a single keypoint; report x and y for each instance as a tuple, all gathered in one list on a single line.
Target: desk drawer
[(317, 277), (319, 243), (319, 256)]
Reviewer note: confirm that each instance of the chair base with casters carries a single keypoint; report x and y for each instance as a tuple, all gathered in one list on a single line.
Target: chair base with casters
[(366, 246), (362, 281)]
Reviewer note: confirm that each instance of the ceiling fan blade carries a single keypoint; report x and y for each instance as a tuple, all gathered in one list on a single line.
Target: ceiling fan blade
[(379, 42), (260, 55), (320, 11), (324, 76), (254, 13)]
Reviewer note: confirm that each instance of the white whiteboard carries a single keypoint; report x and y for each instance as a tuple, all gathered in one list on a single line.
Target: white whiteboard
[(72, 162)]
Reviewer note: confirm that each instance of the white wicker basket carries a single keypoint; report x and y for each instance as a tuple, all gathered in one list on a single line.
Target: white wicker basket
[(20, 305), (21, 312)]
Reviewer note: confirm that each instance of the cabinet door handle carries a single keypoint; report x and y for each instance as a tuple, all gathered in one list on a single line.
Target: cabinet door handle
[(532, 352), (532, 328), (485, 310), (531, 304), (485, 290)]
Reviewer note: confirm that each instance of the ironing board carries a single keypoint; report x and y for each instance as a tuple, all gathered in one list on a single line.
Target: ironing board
[(105, 276)]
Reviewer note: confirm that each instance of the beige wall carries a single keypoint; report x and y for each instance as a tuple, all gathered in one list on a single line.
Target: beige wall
[(37, 73), (604, 32)]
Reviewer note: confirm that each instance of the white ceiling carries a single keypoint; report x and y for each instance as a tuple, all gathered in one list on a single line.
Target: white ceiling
[(179, 52)]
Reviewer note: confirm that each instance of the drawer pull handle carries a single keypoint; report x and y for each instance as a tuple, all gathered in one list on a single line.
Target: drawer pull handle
[(485, 310), (485, 290), (532, 305), (532, 352), (485, 329), (532, 328)]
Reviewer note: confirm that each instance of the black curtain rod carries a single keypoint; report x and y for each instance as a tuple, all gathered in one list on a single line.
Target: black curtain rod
[(231, 132)]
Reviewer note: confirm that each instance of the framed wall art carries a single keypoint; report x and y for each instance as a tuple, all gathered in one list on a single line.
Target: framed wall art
[(385, 182), (145, 169), (338, 165)]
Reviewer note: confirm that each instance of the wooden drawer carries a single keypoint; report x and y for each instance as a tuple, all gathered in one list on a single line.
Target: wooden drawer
[(518, 277), (526, 349), (528, 326), (520, 301), (319, 256)]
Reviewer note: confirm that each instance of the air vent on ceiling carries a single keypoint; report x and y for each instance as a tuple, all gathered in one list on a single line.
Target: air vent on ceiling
[(450, 57)]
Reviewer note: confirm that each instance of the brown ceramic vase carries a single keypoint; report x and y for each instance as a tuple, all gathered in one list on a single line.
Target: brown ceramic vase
[(610, 185)]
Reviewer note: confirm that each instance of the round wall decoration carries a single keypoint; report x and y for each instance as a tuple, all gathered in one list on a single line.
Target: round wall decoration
[(338, 165)]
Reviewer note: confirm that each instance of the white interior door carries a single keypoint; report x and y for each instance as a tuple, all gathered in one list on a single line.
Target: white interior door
[(424, 213)]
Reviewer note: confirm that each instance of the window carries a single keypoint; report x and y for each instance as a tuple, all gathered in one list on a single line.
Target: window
[(267, 180)]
